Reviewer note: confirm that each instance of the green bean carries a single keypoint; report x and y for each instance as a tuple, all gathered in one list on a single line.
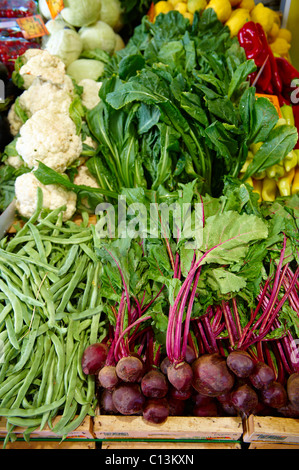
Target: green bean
[(72, 285), (81, 238), (6, 310), (89, 278), (11, 333), (38, 241), (25, 422), (16, 305), (32, 372), (16, 258), (90, 253), (29, 413), (46, 365), (7, 273), (69, 260), (49, 393), (29, 345), (11, 381), (25, 298), (60, 353)]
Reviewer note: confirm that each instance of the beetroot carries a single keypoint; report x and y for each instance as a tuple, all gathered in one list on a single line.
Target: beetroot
[(207, 410), (164, 365), (176, 407), (128, 398), (274, 395), (244, 399), (107, 377), (180, 394), (201, 400), (211, 375), (156, 410), (293, 390), (262, 376), (289, 411), (154, 384), (129, 369), (94, 358), (106, 402), (180, 375), (190, 355), (240, 363)]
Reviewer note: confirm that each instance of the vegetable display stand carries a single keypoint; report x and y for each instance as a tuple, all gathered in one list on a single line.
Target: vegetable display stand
[(270, 430), (84, 431), (117, 428)]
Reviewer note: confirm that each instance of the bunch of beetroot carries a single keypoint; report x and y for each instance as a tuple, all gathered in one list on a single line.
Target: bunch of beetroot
[(210, 385)]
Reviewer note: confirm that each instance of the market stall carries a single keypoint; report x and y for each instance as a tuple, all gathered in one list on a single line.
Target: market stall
[(149, 189)]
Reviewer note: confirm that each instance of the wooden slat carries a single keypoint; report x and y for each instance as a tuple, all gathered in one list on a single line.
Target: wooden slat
[(271, 429), (169, 445), (135, 427), (56, 445), (268, 445)]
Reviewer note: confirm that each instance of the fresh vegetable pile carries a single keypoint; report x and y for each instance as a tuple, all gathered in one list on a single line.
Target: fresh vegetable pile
[(150, 317)]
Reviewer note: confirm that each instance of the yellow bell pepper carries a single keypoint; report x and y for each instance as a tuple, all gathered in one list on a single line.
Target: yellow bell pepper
[(287, 114), (188, 15), (247, 4), (264, 16), (290, 161), (280, 46), (181, 7), (222, 8), (236, 21), (269, 190), (194, 5), (247, 162), (285, 184), (162, 7), (295, 183), (258, 188), (234, 3), (286, 34)]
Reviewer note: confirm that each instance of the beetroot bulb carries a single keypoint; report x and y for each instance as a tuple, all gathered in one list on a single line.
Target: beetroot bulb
[(240, 363), (128, 398), (262, 376), (180, 375), (293, 390), (154, 384), (156, 410), (130, 369), (107, 377), (94, 358), (244, 399), (211, 375)]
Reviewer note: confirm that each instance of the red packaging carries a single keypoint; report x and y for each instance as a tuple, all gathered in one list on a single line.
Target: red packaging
[(12, 48), (17, 8), (10, 29)]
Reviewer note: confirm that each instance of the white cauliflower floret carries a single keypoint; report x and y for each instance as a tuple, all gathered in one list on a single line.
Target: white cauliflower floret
[(90, 142), (85, 178), (50, 138), (45, 95), (90, 96), (41, 64), (14, 161), (15, 123), (54, 196)]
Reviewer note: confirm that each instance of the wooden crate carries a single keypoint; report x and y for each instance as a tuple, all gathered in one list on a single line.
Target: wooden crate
[(84, 431), (51, 444), (175, 428), (269, 429), (113, 445), (269, 446)]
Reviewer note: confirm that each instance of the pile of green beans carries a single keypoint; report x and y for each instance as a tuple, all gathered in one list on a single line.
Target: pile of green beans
[(50, 311)]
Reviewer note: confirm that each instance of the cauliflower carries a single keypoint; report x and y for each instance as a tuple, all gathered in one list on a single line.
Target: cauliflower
[(50, 138), (41, 64), (15, 161), (54, 196), (90, 96), (15, 123), (45, 95), (85, 178)]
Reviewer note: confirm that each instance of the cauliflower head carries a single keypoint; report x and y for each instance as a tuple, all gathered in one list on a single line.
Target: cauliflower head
[(39, 63), (50, 138), (90, 96), (54, 196)]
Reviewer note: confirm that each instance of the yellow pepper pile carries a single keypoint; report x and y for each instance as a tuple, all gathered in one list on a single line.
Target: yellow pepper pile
[(234, 14), (281, 179)]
